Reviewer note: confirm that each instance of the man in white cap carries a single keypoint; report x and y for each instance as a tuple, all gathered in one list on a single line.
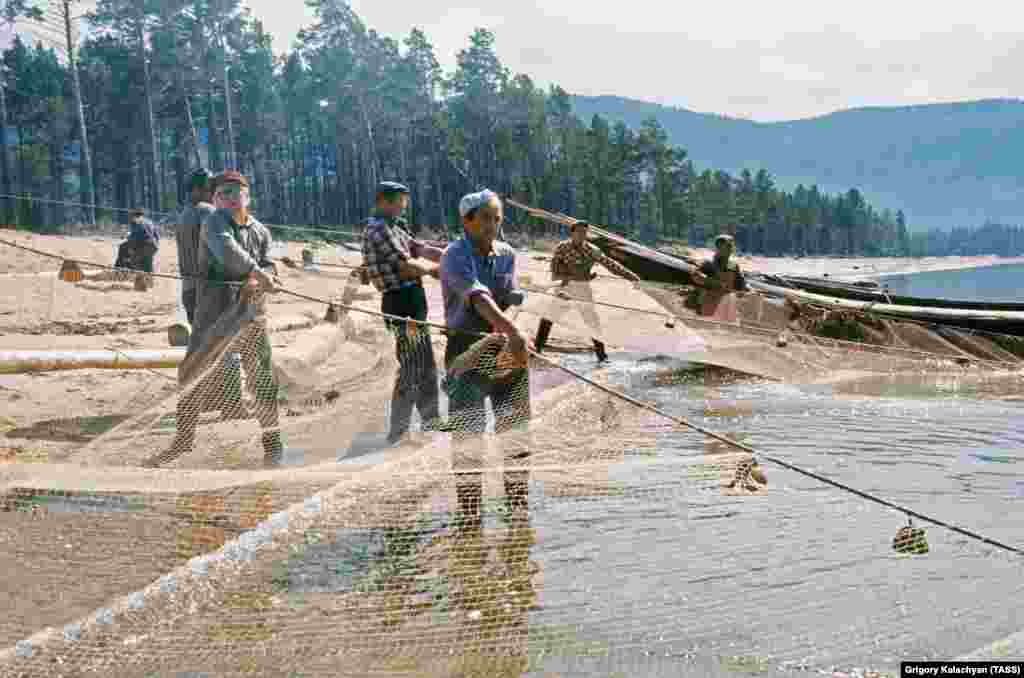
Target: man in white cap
[(478, 283)]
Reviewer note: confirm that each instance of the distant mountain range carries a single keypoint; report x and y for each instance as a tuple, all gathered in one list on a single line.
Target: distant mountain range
[(943, 164)]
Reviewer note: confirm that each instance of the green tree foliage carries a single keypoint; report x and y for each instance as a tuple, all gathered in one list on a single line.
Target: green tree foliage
[(317, 127)]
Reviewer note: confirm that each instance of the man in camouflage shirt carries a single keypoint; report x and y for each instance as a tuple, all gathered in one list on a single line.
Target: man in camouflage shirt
[(390, 259), (572, 263), (189, 223)]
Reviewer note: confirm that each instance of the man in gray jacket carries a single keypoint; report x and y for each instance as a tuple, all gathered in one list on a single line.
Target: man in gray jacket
[(234, 259)]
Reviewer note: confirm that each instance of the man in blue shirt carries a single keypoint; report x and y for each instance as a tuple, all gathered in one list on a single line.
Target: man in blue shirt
[(478, 283)]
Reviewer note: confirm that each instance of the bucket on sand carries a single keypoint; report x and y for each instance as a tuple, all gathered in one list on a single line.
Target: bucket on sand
[(70, 272), (142, 282), (178, 334), (307, 257)]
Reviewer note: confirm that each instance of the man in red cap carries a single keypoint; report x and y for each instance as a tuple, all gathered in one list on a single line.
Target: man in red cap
[(234, 257)]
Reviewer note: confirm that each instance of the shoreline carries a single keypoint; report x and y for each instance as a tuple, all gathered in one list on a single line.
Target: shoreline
[(851, 269)]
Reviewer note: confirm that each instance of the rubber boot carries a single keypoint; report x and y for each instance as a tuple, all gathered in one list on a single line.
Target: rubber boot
[(273, 449), (180, 446), (599, 351), (543, 330), (516, 492), (469, 492)]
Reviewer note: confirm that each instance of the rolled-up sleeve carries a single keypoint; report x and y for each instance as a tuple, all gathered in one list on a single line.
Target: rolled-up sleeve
[(459, 275), (226, 252), (613, 266)]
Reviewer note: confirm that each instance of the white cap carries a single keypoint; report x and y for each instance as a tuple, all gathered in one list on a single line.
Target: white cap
[(474, 200)]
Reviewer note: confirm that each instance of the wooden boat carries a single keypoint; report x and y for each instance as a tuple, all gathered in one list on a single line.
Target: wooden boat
[(864, 292), (650, 264), (985, 319)]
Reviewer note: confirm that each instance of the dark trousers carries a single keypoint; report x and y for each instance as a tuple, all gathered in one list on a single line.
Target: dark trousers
[(509, 393), (145, 262), (188, 300), (416, 384)]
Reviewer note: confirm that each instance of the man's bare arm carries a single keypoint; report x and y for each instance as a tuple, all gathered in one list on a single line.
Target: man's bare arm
[(490, 312), (430, 252), (413, 270)]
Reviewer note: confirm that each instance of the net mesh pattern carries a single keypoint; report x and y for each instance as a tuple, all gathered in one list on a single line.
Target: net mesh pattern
[(249, 514)]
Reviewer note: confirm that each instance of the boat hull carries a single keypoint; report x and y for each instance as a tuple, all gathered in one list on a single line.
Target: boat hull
[(860, 293), (980, 319)]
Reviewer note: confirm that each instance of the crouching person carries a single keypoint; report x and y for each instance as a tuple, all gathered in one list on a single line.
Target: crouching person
[(477, 281)]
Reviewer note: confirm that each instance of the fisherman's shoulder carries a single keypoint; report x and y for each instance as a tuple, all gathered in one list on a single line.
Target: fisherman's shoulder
[(375, 224), (258, 226)]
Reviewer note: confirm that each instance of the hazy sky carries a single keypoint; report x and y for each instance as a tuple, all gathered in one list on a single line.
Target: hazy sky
[(760, 60)]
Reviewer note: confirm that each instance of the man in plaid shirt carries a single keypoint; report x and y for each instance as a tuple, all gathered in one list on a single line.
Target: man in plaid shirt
[(572, 262), (390, 256)]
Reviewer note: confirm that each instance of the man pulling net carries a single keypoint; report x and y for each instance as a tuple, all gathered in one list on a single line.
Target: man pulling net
[(717, 279), (234, 248), (390, 259), (571, 266), (478, 284)]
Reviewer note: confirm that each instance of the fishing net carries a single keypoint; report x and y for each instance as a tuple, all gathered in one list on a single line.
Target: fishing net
[(243, 511)]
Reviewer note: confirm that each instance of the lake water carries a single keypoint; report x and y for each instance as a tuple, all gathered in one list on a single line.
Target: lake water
[(666, 576), (988, 283)]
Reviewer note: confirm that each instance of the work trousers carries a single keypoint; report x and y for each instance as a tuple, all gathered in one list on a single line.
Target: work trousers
[(221, 390), (188, 300), (509, 393), (416, 383)]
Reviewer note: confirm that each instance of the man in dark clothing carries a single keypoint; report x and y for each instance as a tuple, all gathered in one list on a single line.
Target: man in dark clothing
[(716, 278), (389, 259), (143, 241), (189, 223)]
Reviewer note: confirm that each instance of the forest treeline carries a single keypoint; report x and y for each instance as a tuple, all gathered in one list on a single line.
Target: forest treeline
[(169, 85)]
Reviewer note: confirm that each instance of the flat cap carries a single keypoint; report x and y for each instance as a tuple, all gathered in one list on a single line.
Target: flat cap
[(724, 237), (391, 187), (232, 177), (474, 200), (200, 177), (579, 224)]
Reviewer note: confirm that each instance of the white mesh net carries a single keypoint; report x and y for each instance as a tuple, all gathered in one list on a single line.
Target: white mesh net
[(254, 519)]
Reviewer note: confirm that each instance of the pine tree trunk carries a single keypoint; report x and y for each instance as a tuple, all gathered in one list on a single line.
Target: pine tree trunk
[(193, 133), (86, 179), (9, 204), (151, 168)]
